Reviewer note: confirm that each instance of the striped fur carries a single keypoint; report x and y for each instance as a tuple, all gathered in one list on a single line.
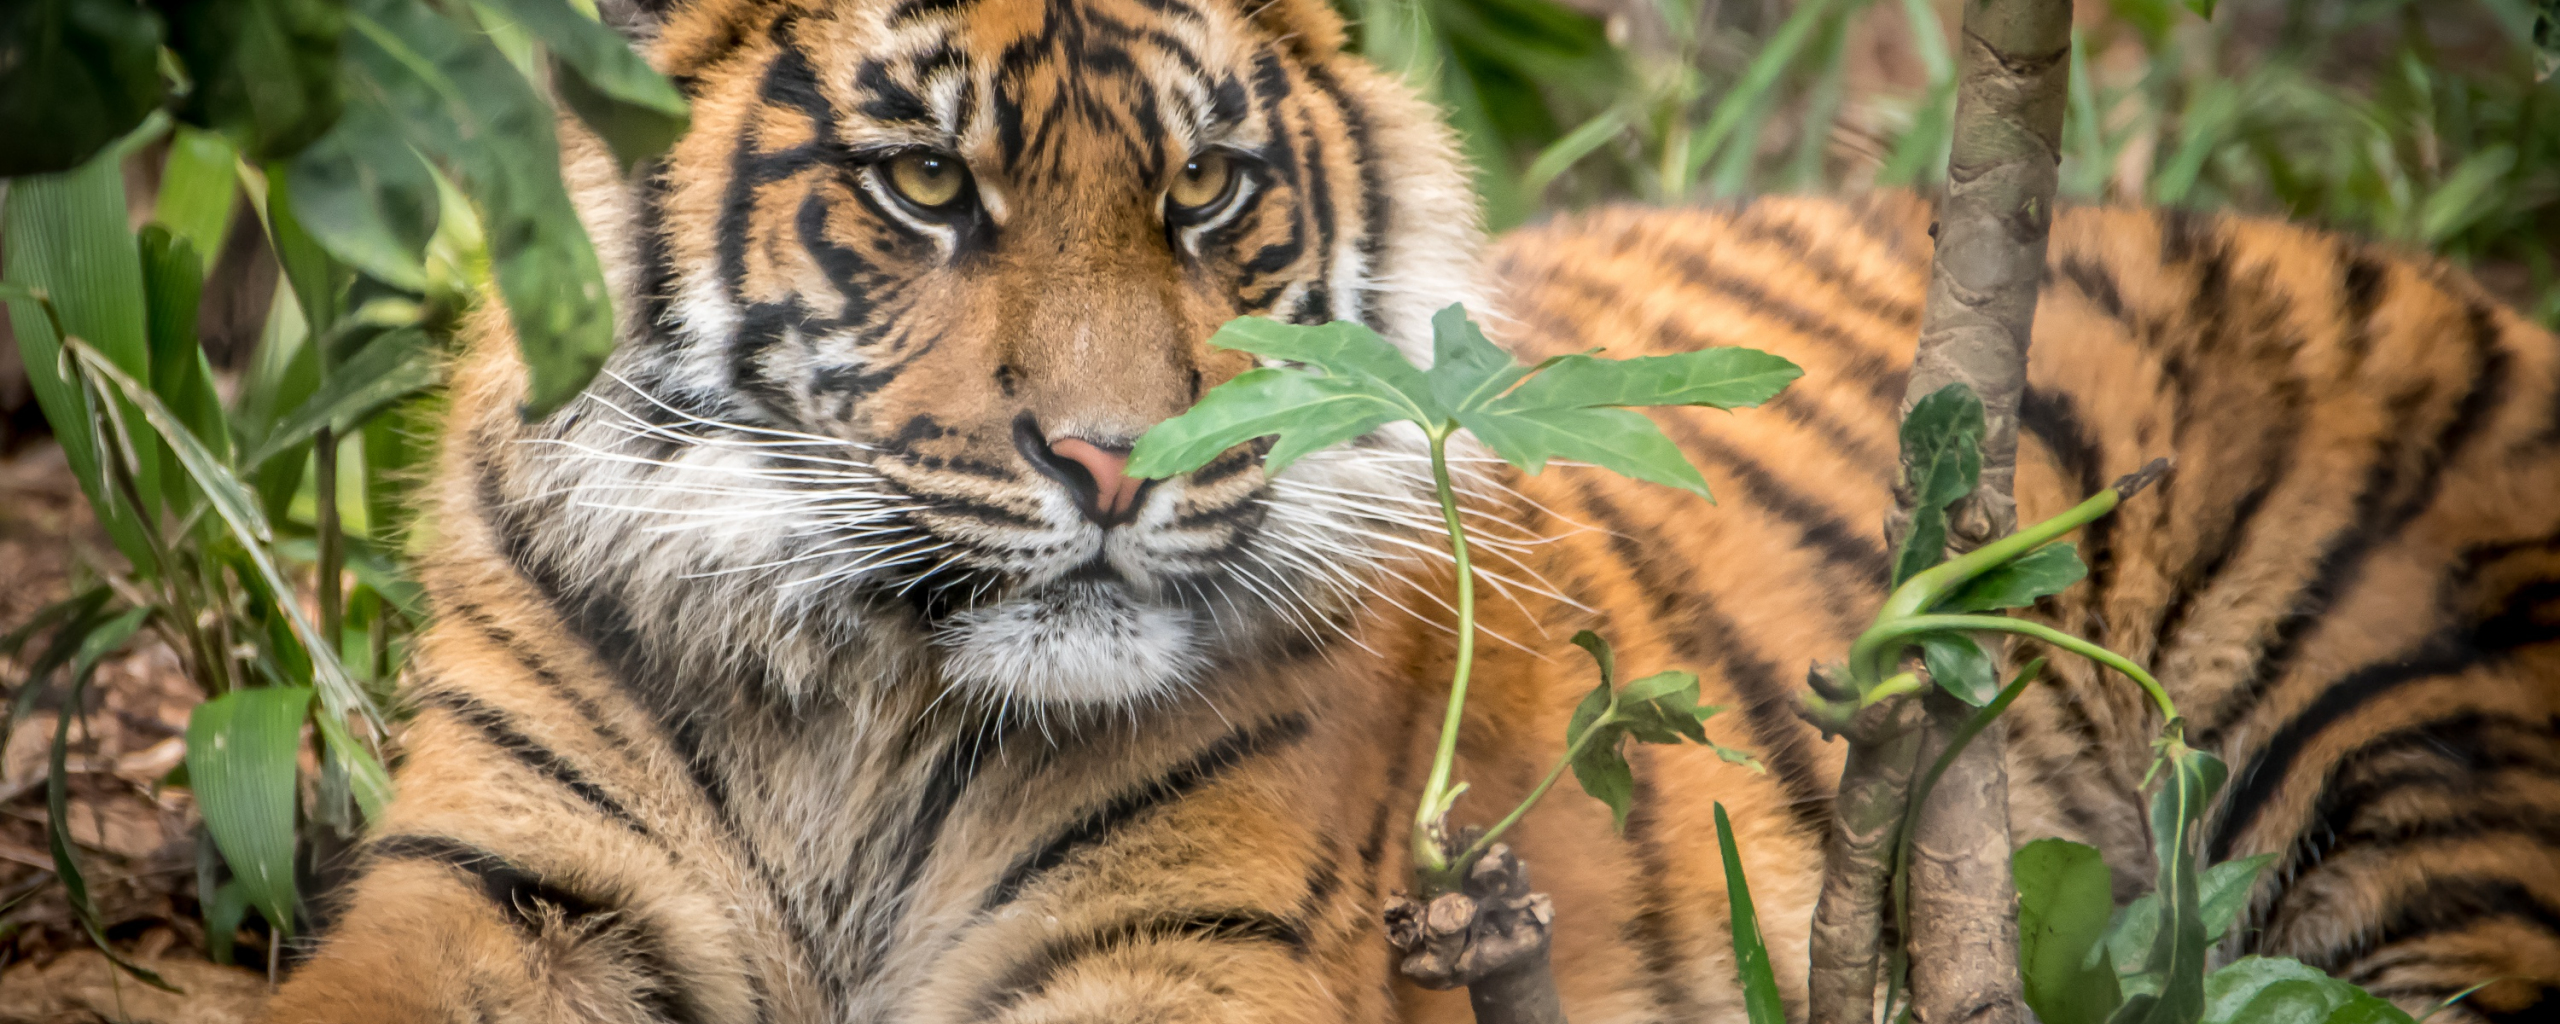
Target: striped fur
[(772, 682)]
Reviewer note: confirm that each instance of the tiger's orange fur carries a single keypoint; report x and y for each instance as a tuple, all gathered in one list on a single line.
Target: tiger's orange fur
[(638, 789)]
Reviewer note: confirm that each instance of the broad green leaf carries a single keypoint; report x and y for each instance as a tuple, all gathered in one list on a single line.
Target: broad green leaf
[(2178, 947), (1942, 446), (1341, 349), (458, 101), (2203, 8), (1309, 413), (1717, 378), (1467, 369), (318, 280), (199, 187), (1663, 708), (1598, 766), (222, 917), (1760, 1000), (1618, 440), (266, 71), (2064, 899), (2224, 892), (366, 196), (1924, 545), (241, 749), (636, 111), (2019, 583), (1601, 654), (95, 644), (75, 75), (1959, 667), (66, 238), (390, 367), (2274, 989)]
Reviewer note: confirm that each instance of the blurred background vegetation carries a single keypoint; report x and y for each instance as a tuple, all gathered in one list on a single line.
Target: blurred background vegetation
[(269, 560)]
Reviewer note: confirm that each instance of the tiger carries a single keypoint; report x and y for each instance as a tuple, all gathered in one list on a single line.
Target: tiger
[(823, 661)]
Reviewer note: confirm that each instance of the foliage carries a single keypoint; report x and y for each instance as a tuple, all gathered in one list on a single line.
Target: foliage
[(1344, 380), (399, 157)]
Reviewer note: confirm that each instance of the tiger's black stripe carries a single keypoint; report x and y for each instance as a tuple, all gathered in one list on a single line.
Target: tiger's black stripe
[(494, 726), (1031, 975), (1101, 823)]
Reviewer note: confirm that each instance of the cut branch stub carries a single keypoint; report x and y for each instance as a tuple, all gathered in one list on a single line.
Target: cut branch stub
[(1491, 938)]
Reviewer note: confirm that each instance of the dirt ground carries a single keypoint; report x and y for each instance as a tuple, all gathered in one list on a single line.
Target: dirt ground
[(136, 843)]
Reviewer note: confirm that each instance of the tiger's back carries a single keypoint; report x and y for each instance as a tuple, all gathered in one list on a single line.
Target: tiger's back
[(2350, 580)]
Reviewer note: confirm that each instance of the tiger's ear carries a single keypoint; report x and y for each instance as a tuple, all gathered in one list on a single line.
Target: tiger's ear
[(1312, 29)]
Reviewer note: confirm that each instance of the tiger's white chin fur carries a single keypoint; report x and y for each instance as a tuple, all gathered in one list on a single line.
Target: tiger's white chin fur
[(1077, 643)]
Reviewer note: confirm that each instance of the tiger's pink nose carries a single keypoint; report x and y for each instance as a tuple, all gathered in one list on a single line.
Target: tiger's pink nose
[(1114, 493), (1097, 476)]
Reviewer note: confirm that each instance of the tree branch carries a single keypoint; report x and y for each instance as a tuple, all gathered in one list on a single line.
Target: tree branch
[(1982, 297), (1491, 938)]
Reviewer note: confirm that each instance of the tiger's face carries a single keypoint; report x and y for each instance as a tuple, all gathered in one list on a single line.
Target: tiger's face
[(920, 274)]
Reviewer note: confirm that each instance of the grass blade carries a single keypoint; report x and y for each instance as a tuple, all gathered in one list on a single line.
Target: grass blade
[(387, 369), (198, 190), (95, 645), (1760, 998)]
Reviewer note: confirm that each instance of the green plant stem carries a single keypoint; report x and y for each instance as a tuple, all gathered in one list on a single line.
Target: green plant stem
[(1426, 847), (1926, 587), (1882, 637), (1484, 843)]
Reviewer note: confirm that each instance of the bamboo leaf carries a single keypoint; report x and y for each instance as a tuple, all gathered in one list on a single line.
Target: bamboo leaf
[(95, 645), (391, 367), (77, 615), (2064, 899), (174, 278), (65, 239), (241, 751), (1760, 1000), (199, 186), (75, 75)]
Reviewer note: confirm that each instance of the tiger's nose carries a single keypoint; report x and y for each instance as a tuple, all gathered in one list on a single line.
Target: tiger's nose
[(1095, 474)]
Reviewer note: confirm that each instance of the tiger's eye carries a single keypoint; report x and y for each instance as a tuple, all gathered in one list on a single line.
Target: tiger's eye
[(927, 179), (1202, 181)]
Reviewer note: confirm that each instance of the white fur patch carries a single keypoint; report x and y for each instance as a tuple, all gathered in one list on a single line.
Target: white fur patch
[(1071, 644)]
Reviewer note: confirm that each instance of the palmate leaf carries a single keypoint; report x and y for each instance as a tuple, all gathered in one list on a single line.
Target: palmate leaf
[(1619, 440), (1308, 412)]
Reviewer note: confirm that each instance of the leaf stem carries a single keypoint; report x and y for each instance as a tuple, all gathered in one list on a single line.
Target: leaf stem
[(1485, 842), (1426, 848), (1883, 638)]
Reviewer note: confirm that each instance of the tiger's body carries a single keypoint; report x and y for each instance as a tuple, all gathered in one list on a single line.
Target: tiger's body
[(809, 669)]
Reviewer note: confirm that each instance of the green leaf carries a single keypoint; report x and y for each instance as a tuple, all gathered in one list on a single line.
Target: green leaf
[(2064, 899), (222, 917), (75, 75), (1925, 545), (266, 71), (173, 277), (1618, 440), (77, 615), (1959, 667), (457, 100), (2274, 989), (367, 196), (199, 187), (2019, 583), (95, 645), (1663, 708), (66, 238), (636, 111), (1942, 446), (1602, 654), (2178, 946), (1309, 413), (1598, 766), (2203, 8), (241, 751), (2224, 892), (395, 365), (1716, 378), (1563, 153), (1341, 349), (1760, 1000), (1467, 369)]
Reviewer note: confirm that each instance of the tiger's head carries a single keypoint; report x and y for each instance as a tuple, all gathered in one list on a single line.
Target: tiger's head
[(897, 305)]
